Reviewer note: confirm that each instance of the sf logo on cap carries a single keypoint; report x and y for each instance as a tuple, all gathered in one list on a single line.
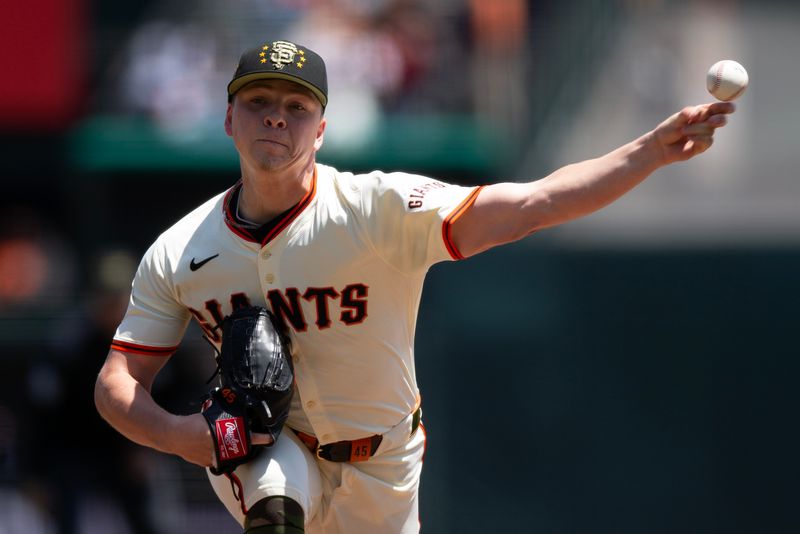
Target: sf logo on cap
[(282, 54)]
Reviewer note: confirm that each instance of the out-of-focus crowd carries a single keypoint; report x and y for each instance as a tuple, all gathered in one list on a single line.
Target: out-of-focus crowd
[(383, 56)]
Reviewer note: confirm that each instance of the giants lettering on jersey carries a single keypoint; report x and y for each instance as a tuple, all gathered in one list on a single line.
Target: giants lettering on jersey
[(417, 195), (287, 305)]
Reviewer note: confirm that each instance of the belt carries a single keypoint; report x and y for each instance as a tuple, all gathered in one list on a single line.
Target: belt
[(359, 450)]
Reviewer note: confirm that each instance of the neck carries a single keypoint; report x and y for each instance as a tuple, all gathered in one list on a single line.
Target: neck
[(265, 196)]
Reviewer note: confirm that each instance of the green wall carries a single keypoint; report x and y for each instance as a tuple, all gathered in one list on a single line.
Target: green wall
[(611, 391)]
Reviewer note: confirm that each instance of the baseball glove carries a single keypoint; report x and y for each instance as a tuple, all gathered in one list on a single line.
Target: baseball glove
[(256, 386)]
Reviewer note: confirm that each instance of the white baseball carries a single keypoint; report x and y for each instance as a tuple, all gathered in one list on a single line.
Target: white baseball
[(727, 80)]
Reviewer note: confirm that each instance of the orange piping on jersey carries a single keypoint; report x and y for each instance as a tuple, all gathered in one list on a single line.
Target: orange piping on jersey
[(292, 215), (278, 228), (425, 444), (422, 460), (133, 348), (453, 217)]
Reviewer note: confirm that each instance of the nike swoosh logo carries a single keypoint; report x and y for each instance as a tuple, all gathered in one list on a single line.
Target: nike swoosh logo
[(193, 265)]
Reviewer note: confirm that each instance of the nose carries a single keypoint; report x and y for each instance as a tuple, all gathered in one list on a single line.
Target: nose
[(274, 119)]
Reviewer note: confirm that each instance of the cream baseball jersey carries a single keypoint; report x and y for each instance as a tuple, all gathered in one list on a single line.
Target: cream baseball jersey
[(343, 270)]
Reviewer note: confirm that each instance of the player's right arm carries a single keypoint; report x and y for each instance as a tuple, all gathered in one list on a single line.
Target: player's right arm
[(503, 213), (123, 398)]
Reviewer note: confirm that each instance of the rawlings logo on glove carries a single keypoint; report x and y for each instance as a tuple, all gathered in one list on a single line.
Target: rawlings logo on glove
[(230, 437)]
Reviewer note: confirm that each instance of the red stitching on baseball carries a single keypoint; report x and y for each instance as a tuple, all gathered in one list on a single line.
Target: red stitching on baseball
[(737, 93)]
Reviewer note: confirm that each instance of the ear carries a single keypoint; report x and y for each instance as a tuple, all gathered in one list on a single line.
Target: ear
[(229, 120), (320, 131)]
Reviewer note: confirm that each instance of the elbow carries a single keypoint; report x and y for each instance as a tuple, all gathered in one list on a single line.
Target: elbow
[(103, 394), (100, 395), (540, 211)]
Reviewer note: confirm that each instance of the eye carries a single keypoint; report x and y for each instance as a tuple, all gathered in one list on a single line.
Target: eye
[(297, 106)]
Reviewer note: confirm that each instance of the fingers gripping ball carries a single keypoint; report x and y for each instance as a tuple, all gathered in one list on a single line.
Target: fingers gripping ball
[(727, 80), (256, 385)]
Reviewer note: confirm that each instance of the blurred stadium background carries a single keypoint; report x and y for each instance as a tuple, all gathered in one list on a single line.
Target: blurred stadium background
[(630, 372)]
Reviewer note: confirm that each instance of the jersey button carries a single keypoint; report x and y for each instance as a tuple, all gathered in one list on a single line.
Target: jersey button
[(266, 255), (310, 404), (269, 278)]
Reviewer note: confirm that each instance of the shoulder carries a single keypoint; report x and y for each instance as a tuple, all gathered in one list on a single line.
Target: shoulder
[(376, 183), (340, 187)]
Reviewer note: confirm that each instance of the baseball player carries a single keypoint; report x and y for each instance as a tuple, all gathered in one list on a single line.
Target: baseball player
[(340, 259)]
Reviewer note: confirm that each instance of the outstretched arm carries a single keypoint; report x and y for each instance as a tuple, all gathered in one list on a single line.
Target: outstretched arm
[(506, 212)]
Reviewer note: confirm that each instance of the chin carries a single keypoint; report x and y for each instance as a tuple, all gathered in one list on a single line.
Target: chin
[(271, 163)]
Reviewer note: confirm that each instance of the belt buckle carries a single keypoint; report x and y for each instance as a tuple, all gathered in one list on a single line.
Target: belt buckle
[(318, 451)]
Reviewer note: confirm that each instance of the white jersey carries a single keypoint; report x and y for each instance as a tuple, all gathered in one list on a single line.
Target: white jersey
[(343, 270)]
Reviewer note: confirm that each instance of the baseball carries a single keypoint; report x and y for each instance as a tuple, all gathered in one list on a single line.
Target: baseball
[(726, 80)]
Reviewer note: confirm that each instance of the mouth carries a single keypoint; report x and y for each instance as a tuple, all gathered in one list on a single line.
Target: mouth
[(272, 142)]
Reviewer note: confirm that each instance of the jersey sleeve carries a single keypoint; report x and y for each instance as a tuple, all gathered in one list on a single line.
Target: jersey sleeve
[(155, 320), (409, 218)]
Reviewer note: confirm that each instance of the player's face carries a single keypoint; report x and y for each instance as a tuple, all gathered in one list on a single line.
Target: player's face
[(275, 125)]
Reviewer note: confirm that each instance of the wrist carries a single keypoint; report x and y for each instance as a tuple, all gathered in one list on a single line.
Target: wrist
[(192, 440), (649, 153), (178, 432)]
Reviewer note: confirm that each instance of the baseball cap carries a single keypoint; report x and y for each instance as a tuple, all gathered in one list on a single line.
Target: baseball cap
[(282, 60)]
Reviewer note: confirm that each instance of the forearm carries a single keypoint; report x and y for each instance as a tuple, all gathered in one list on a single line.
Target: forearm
[(585, 187), (128, 406), (122, 396), (507, 212)]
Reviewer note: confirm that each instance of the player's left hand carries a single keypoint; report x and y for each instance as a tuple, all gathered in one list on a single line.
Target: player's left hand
[(690, 131)]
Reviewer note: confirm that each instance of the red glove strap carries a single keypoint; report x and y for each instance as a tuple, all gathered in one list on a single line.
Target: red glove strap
[(231, 441)]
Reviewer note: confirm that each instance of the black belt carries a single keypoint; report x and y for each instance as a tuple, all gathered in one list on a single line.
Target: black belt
[(358, 450)]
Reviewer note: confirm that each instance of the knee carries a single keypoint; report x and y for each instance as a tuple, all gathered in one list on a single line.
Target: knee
[(275, 515)]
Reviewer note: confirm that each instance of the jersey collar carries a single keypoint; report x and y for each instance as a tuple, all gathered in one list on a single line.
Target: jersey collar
[(285, 219)]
